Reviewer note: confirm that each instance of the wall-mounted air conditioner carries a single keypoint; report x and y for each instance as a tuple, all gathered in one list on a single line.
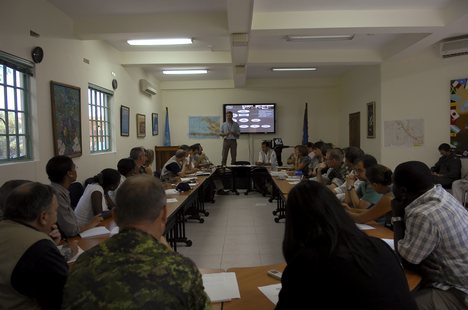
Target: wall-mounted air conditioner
[(454, 47), (147, 87)]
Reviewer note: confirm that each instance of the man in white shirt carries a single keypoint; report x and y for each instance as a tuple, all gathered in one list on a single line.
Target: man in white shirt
[(266, 157)]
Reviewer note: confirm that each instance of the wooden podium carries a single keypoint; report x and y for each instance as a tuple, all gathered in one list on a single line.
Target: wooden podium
[(162, 155)]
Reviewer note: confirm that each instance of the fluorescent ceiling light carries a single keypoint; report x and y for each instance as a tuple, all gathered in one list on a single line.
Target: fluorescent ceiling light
[(174, 41), (193, 71), (320, 38), (294, 69)]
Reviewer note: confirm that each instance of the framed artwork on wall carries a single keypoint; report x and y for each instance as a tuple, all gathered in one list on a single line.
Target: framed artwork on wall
[(66, 119), (371, 119), (124, 121), (141, 125), (154, 122)]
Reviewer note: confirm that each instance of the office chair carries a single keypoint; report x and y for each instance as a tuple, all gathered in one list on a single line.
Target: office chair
[(76, 190), (241, 173)]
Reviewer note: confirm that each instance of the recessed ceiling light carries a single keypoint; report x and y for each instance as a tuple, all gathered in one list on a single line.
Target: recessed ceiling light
[(173, 41), (294, 69), (194, 71), (320, 38)]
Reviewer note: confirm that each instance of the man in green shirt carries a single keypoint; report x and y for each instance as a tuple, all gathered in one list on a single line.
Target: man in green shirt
[(133, 269)]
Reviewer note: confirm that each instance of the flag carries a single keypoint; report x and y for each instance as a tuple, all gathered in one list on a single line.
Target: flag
[(167, 131), (305, 127)]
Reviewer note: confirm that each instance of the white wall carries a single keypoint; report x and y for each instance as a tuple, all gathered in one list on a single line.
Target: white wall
[(357, 88), (63, 62), (289, 96), (419, 87)]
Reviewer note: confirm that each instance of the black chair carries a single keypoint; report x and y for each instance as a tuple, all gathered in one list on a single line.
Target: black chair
[(241, 176), (76, 190)]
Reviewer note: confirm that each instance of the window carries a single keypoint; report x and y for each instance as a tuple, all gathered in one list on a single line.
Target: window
[(15, 119), (100, 134)]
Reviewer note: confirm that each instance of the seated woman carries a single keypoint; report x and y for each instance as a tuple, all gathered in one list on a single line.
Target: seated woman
[(96, 198), (302, 160), (331, 264), (380, 178)]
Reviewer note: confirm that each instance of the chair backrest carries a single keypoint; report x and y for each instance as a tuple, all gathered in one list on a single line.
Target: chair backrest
[(76, 190), (242, 163)]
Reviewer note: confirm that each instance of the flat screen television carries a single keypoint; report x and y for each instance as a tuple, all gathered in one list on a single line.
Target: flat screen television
[(253, 118)]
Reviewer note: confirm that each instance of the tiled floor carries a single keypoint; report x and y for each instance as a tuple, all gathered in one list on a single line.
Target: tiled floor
[(239, 232)]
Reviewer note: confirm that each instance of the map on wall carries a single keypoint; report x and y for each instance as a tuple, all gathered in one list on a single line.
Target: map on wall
[(407, 133), (204, 127), (459, 116)]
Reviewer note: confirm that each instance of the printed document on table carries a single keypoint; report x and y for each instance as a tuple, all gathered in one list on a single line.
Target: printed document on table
[(271, 292), (115, 230), (171, 200), (221, 286), (364, 227), (73, 259), (93, 232)]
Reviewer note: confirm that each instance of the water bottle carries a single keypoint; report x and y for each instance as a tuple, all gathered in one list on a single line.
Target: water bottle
[(274, 166)]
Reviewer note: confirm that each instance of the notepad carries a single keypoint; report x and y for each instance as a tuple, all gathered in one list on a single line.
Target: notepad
[(171, 200), (271, 292), (221, 286), (390, 242), (364, 227), (96, 231)]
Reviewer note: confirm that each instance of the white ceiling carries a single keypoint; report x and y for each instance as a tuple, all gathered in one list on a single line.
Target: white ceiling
[(382, 29)]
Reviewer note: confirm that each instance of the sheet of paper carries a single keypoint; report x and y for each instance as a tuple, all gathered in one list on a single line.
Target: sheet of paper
[(293, 182), (202, 173), (96, 231), (364, 227), (221, 286), (172, 191), (171, 200), (73, 259), (389, 242), (114, 231), (271, 292)]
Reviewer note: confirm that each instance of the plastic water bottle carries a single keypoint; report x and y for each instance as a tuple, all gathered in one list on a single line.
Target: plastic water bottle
[(274, 166)]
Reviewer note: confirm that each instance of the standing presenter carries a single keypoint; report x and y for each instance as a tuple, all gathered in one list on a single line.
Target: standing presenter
[(230, 131)]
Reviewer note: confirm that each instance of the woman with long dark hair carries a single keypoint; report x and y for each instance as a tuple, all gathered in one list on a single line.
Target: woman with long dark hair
[(331, 264)]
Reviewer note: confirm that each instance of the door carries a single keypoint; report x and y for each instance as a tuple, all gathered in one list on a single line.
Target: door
[(355, 129)]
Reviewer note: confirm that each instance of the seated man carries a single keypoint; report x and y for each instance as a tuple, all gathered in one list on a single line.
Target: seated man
[(32, 270), (351, 153), (175, 166), (133, 269), (5, 190), (336, 169), (200, 159), (431, 235), (138, 154), (448, 167), (266, 157), (62, 172), (364, 196)]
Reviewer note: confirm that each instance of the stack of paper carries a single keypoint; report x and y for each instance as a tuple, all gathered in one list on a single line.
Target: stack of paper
[(221, 286), (115, 230), (96, 231), (271, 292)]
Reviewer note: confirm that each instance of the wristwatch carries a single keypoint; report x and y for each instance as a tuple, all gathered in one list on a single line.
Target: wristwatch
[(396, 219)]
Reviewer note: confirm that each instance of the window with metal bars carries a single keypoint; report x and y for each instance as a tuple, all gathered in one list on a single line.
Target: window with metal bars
[(99, 107), (15, 119)]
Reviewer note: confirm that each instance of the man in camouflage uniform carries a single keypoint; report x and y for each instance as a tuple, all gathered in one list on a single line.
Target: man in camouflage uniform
[(133, 270)]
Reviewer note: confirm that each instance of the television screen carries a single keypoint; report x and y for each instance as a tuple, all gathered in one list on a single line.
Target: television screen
[(253, 118)]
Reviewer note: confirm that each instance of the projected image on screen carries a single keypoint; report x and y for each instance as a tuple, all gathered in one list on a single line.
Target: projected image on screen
[(253, 118)]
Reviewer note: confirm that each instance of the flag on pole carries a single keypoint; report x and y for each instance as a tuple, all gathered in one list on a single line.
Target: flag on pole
[(167, 131), (305, 127)]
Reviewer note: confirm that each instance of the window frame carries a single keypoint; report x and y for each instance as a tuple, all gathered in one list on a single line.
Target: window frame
[(100, 113), (22, 69)]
